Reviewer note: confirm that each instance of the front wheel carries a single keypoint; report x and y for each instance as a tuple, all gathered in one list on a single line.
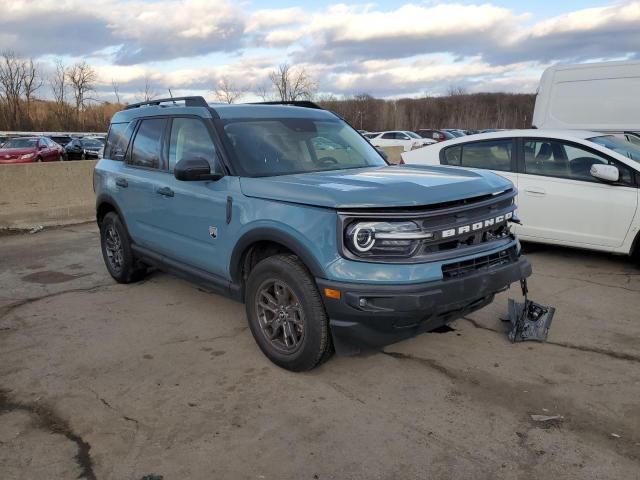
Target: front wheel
[(286, 314), (116, 250)]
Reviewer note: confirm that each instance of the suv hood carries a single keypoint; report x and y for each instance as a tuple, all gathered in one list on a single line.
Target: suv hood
[(377, 187)]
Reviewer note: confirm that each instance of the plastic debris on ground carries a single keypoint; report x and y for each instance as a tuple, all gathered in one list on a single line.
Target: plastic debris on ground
[(529, 320)]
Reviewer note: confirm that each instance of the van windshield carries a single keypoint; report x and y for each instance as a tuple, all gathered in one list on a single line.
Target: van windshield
[(618, 145), (283, 146)]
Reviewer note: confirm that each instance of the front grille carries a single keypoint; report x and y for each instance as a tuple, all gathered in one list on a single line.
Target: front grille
[(487, 262)]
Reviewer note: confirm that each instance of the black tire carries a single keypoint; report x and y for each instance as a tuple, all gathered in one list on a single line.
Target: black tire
[(122, 266), (39, 159), (60, 158), (315, 344)]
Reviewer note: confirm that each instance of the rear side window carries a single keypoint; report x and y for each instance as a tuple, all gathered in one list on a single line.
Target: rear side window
[(190, 140), (452, 155), (147, 143), (118, 141), (490, 155)]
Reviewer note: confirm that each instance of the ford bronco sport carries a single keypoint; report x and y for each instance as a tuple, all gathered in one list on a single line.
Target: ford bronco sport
[(289, 209)]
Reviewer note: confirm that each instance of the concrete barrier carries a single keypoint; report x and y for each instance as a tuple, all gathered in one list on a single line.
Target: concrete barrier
[(393, 153), (55, 193)]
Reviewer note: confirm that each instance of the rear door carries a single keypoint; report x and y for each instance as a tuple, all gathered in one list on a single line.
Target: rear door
[(560, 202), (143, 169)]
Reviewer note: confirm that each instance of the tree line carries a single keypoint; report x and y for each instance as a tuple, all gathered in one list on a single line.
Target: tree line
[(73, 107)]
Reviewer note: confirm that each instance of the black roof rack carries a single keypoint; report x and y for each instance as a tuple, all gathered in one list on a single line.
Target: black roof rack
[(195, 101), (295, 103)]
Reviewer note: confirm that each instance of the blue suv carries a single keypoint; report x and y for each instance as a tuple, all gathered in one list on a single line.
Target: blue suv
[(288, 209)]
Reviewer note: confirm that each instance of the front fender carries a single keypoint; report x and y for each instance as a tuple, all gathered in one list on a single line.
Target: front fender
[(278, 233)]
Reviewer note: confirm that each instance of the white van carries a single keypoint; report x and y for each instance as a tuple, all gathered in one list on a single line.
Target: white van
[(601, 97)]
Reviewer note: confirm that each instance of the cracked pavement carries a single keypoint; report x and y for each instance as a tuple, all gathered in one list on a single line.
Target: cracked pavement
[(161, 380)]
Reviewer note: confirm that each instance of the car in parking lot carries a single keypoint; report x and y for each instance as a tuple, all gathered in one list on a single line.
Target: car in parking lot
[(288, 209), (400, 138), (576, 188), (85, 148), (435, 135), (30, 149)]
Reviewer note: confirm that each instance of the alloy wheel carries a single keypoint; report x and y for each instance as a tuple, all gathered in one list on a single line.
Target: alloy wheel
[(280, 316)]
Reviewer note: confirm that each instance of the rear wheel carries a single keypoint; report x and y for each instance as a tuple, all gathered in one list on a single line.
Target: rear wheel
[(116, 251), (286, 314)]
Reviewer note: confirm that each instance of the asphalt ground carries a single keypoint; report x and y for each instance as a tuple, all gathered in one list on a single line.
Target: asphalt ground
[(160, 379)]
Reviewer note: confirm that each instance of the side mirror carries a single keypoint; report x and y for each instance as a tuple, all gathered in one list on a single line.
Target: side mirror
[(383, 154), (607, 173), (193, 169), (42, 146)]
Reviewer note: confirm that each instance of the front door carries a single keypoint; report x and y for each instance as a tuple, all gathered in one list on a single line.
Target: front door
[(560, 201), (192, 215)]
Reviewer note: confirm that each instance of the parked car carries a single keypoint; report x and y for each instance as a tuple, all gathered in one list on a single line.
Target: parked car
[(61, 140), (327, 251), (400, 138), (436, 135), (455, 132), (85, 148), (577, 188), (30, 149)]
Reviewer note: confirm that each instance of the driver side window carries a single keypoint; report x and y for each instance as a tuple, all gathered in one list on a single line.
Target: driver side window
[(190, 139)]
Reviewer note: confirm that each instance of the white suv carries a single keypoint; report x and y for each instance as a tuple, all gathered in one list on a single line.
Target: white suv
[(400, 138), (576, 188)]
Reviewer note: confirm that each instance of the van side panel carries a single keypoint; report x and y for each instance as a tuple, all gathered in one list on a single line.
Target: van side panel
[(593, 96)]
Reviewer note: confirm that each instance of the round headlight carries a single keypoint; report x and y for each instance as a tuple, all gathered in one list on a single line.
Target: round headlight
[(364, 238)]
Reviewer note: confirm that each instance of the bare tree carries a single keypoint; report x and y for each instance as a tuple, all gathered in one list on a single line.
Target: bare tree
[(82, 79), (226, 91), (31, 82), (116, 89), (292, 83), (12, 76), (148, 93), (262, 91)]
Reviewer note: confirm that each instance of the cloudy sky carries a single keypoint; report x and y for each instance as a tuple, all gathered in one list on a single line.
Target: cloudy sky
[(387, 49)]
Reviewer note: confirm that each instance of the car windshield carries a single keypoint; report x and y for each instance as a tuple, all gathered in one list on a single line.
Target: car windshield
[(91, 143), (413, 135), (20, 143), (618, 145), (282, 146)]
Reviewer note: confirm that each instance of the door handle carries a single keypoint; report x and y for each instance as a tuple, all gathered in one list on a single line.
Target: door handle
[(538, 192), (122, 182), (166, 191)]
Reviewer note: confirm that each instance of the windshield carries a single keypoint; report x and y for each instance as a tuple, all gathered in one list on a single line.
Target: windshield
[(413, 135), (282, 146), (20, 143), (91, 143), (619, 145)]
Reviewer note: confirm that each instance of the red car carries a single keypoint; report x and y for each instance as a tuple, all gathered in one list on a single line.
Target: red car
[(30, 149)]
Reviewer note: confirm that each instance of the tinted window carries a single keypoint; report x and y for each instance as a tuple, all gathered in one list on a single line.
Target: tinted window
[(21, 143), (118, 140), (190, 139), (491, 154), (389, 136), (452, 155), (280, 146), (554, 158), (146, 147)]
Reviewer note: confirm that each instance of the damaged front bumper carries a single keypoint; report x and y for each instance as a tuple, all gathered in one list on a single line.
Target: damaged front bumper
[(371, 316)]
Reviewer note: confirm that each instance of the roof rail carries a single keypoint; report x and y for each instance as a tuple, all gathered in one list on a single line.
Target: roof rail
[(295, 103), (195, 101)]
